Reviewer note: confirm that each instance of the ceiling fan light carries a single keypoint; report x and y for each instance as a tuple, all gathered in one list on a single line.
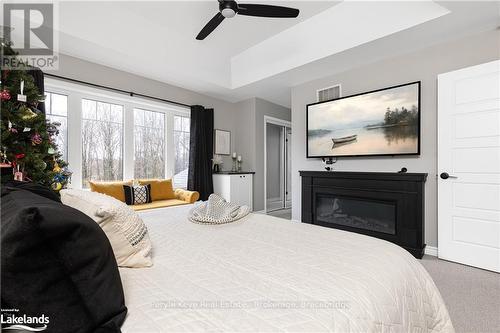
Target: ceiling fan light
[(229, 8), (228, 12)]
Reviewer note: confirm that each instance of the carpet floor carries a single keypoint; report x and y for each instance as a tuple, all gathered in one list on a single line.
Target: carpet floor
[(472, 295), (282, 213)]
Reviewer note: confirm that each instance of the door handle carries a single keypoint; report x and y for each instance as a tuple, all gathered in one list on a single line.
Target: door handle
[(445, 175)]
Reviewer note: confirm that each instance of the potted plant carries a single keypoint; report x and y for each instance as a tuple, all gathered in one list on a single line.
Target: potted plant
[(217, 162)]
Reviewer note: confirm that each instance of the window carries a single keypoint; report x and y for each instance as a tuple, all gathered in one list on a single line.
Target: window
[(102, 141), (181, 146), (149, 144), (109, 136), (56, 108)]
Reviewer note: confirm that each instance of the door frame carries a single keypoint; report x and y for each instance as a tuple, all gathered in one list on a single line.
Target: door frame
[(279, 122)]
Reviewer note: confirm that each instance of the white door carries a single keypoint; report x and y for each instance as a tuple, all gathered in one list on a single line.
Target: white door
[(245, 188), (241, 189), (469, 166), (236, 189)]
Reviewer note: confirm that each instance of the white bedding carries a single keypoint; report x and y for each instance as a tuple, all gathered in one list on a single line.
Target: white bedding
[(264, 274)]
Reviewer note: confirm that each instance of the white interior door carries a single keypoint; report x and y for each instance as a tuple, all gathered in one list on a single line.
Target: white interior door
[(469, 166)]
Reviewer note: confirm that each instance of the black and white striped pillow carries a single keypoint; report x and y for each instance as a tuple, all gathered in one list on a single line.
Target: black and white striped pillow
[(137, 195)]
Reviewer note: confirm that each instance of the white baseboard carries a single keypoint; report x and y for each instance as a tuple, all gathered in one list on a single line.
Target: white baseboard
[(431, 251)]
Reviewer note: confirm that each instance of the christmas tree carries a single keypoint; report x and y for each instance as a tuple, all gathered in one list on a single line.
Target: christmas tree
[(28, 142)]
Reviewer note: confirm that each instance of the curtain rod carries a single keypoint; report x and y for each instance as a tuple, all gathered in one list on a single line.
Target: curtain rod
[(130, 93)]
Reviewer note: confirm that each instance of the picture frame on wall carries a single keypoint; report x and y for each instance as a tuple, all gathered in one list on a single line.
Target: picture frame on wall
[(383, 122), (222, 142)]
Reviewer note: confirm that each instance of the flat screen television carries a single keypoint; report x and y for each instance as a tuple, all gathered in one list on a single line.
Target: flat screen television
[(382, 122)]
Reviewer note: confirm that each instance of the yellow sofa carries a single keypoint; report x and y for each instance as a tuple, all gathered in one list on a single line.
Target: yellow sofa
[(162, 193)]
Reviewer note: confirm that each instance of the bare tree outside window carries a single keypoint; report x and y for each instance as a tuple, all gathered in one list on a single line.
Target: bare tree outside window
[(149, 144), (102, 141), (56, 108), (181, 144)]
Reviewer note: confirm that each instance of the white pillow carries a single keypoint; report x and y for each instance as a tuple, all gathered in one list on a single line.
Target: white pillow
[(125, 230)]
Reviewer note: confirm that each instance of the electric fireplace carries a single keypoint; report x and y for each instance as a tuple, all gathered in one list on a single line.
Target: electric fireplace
[(389, 206)]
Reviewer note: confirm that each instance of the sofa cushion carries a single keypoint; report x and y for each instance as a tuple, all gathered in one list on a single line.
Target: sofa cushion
[(161, 189), (57, 262), (188, 196), (125, 229), (160, 204), (113, 189)]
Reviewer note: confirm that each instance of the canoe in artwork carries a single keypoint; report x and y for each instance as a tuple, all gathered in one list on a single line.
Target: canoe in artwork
[(345, 139)]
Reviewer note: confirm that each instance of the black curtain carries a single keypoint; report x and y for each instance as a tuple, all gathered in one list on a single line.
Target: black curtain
[(38, 77), (201, 151)]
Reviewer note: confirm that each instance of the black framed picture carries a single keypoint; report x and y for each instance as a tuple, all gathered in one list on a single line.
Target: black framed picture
[(382, 122)]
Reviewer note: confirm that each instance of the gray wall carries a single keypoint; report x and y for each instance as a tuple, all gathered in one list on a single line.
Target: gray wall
[(225, 112), (424, 66), (245, 133)]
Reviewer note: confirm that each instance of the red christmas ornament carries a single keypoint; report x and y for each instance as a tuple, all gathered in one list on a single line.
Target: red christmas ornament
[(36, 139), (19, 156), (4, 95)]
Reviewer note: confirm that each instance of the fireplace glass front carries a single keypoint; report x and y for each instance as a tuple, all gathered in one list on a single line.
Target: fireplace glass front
[(373, 215)]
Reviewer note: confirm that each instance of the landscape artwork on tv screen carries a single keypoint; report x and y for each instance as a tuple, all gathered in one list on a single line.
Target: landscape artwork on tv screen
[(382, 122)]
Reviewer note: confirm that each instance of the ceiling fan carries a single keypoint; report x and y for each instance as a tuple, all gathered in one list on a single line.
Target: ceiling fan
[(229, 8)]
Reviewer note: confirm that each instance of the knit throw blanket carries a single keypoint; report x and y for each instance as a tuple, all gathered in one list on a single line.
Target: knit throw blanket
[(216, 210)]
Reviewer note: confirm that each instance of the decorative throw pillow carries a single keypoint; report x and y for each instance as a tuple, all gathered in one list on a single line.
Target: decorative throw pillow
[(137, 195), (57, 263), (161, 189), (126, 231), (113, 189)]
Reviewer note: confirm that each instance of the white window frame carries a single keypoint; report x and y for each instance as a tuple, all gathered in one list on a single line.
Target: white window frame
[(77, 92), (181, 131), (165, 126), (109, 102), (67, 110)]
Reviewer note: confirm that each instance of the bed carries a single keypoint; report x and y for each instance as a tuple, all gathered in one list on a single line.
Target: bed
[(264, 274)]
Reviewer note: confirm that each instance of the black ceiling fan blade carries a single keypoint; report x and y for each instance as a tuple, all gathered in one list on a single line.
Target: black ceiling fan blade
[(266, 10), (210, 26)]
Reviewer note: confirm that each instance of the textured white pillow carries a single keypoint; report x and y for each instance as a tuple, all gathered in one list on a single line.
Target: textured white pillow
[(125, 230)]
